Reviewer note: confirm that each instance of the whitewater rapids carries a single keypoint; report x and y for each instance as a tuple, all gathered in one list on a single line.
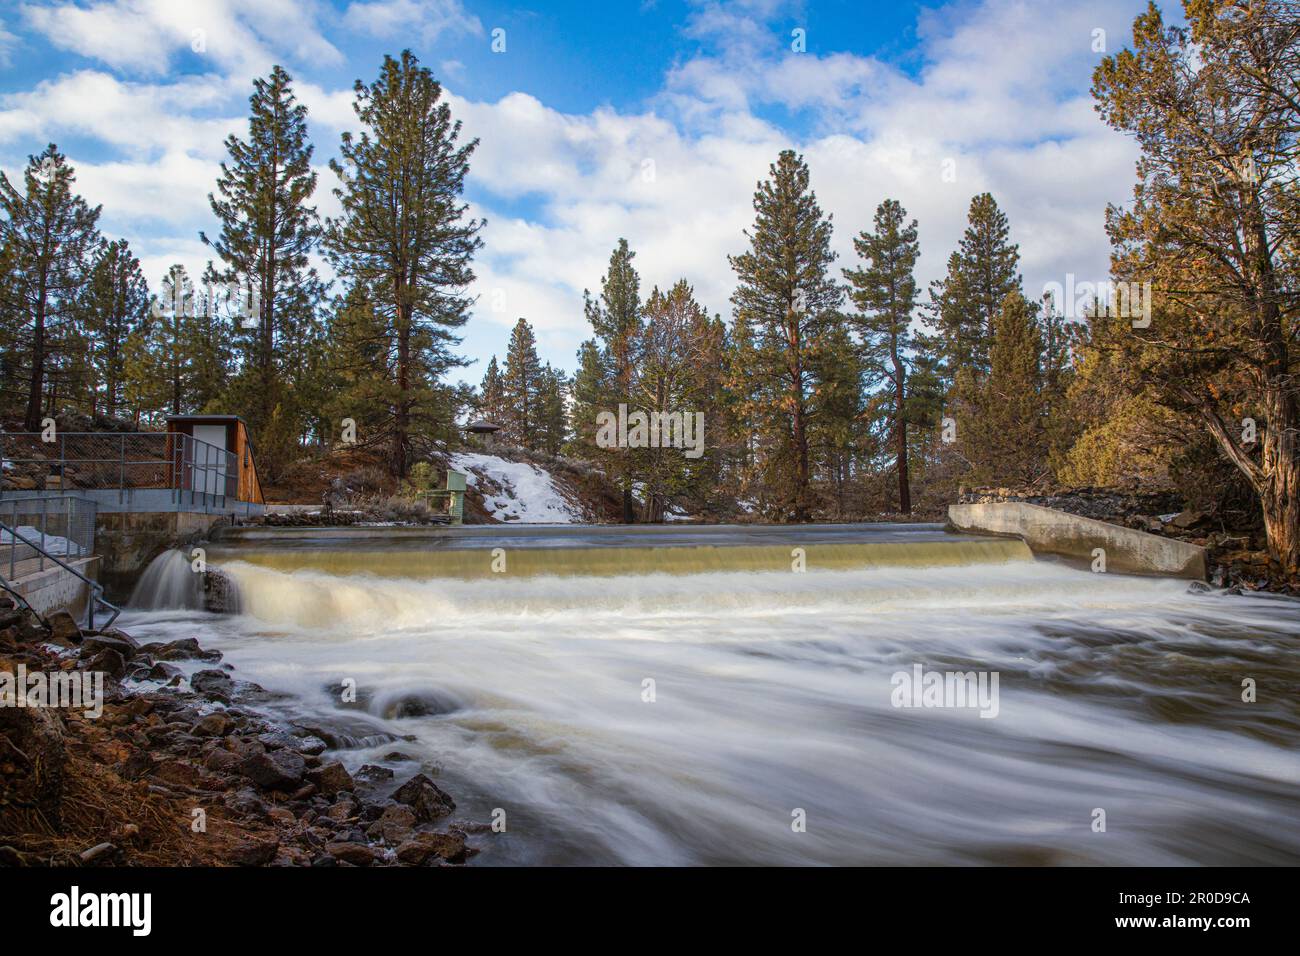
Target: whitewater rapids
[(772, 695)]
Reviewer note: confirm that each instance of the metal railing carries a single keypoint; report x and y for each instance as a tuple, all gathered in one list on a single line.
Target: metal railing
[(62, 525), (51, 531), (122, 461)]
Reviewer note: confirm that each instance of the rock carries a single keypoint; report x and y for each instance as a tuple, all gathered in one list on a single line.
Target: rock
[(1198, 587), (274, 770), (245, 802), (255, 852), (394, 825), (163, 672), (113, 640), (1186, 520), (358, 854), (331, 778), (107, 661), (425, 797), (210, 683), (222, 761), (184, 649), (420, 848), (213, 725), (277, 739), (282, 815), (373, 772), (342, 811), (63, 629)]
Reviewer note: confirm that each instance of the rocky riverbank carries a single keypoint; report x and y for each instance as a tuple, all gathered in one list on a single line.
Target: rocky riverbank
[(190, 772), (1236, 557)]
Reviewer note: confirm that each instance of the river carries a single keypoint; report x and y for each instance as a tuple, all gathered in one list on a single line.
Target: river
[(752, 717)]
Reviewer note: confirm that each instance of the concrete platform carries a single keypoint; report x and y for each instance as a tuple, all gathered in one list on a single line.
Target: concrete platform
[(1048, 531)]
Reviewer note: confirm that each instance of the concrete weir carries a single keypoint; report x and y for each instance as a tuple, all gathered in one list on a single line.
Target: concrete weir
[(1048, 531)]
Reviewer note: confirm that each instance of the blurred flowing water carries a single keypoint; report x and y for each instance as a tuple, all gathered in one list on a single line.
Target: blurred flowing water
[(772, 694)]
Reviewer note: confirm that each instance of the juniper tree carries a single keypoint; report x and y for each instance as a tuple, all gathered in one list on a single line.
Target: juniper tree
[(47, 233), (1214, 109), (787, 298), (403, 230), (268, 232), (884, 290), (1003, 429)]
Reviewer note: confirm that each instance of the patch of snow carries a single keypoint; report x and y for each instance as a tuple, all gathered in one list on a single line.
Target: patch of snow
[(528, 494), (52, 543)]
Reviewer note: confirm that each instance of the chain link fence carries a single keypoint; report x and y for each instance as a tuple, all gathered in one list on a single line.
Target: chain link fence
[(33, 529), (107, 460)]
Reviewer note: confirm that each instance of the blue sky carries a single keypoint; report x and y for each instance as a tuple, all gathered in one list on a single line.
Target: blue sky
[(650, 120)]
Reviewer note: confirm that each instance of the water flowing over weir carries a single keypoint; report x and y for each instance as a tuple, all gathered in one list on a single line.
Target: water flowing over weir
[(773, 691)]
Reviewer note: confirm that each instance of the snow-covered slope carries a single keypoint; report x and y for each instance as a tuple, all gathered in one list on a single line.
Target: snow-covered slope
[(516, 490)]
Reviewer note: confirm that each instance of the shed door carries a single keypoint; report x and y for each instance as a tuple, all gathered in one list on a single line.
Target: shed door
[(209, 466)]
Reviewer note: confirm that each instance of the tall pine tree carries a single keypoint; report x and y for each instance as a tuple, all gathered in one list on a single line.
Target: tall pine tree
[(268, 231), (885, 293), (47, 233), (786, 296), (965, 303), (114, 304), (403, 230)]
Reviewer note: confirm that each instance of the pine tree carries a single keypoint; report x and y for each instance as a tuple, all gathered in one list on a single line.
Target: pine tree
[(403, 230), (114, 304), (492, 397), (552, 417), (1004, 434), (787, 297), (522, 383), (268, 232), (616, 318), (964, 305), (48, 233), (588, 391), (885, 293), (359, 362)]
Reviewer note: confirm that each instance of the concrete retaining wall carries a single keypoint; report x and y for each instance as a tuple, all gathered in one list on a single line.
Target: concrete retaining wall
[(55, 589), (1048, 531)]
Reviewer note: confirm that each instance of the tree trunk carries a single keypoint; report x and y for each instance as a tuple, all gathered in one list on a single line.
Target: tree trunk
[(900, 432), (32, 421), (1279, 493), (401, 418)]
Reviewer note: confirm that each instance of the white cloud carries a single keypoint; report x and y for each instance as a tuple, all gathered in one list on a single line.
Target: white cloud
[(7, 43), (144, 36), (1000, 90), (429, 19)]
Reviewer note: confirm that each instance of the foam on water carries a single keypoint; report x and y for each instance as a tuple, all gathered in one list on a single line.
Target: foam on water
[(772, 692)]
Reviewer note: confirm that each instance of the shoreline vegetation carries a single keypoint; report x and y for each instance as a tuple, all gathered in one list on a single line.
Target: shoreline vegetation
[(194, 773)]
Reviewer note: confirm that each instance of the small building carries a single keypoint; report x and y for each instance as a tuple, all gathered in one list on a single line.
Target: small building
[(222, 433)]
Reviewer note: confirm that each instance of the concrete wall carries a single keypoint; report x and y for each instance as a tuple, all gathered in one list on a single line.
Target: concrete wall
[(127, 542), (56, 589), (1048, 531)]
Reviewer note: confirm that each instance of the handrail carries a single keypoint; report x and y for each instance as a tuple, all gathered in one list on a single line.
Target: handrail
[(96, 589)]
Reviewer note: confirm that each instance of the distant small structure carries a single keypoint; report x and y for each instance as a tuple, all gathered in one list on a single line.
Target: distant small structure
[(482, 427)]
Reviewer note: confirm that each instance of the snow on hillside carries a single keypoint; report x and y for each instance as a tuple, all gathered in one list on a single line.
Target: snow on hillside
[(515, 490)]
